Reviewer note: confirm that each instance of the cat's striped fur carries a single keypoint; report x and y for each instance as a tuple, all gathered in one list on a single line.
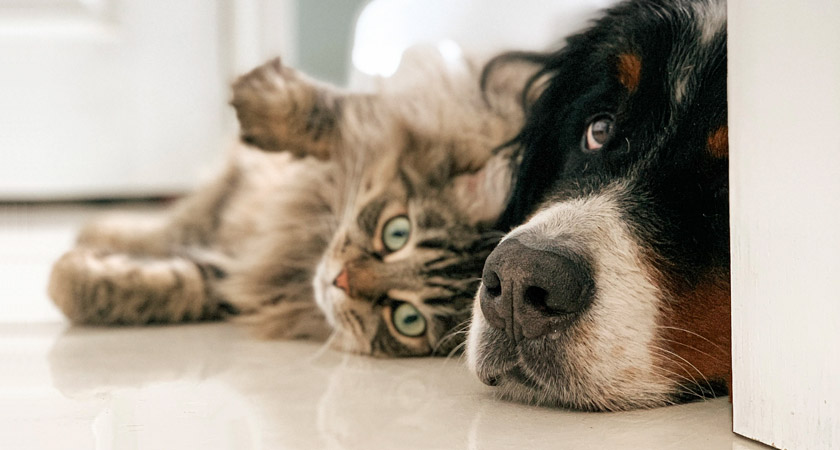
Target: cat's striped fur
[(279, 227)]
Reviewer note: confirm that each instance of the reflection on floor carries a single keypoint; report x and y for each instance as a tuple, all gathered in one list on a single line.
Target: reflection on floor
[(212, 386)]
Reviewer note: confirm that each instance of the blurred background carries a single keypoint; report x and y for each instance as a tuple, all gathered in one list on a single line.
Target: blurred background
[(117, 104), (127, 98)]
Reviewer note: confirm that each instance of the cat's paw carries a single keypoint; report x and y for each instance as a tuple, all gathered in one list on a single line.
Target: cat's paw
[(279, 109), (262, 97), (95, 287), (72, 285)]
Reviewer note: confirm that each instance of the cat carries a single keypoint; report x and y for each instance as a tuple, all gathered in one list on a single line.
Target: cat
[(362, 217)]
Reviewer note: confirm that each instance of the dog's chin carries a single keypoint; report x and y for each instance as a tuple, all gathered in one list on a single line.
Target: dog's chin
[(517, 387), (555, 372)]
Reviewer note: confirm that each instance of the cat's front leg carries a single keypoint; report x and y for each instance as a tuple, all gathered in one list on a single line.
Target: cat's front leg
[(280, 109), (93, 286)]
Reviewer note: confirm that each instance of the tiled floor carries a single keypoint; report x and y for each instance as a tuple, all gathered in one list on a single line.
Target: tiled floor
[(212, 386)]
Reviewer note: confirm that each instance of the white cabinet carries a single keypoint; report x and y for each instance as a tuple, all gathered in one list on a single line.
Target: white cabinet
[(784, 113), (110, 98)]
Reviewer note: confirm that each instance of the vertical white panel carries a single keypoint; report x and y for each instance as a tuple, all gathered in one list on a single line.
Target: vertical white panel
[(784, 112), (109, 97), (263, 29)]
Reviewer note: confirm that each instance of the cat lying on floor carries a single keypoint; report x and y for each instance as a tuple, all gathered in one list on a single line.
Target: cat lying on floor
[(366, 217)]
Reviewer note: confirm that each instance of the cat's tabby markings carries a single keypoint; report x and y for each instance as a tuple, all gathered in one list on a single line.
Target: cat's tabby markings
[(377, 206)]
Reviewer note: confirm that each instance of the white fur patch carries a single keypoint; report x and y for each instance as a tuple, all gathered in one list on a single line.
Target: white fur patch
[(475, 336), (710, 19), (610, 351), (680, 87), (321, 285)]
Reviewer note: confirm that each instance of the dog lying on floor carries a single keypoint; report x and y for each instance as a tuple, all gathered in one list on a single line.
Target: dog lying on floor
[(614, 292)]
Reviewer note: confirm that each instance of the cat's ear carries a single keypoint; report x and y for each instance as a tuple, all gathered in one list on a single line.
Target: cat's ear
[(280, 109), (443, 66), (482, 195)]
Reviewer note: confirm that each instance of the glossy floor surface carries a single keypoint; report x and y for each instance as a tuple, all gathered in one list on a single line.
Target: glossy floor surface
[(213, 386)]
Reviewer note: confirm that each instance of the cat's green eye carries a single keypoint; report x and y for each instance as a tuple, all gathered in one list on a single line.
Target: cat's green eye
[(395, 233), (408, 321)]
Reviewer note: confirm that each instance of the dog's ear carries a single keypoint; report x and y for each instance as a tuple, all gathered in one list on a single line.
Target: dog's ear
[(280, 109), (546, 95), (482, 194)]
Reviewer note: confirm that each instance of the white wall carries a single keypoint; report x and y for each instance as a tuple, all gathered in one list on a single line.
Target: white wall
[(784, 112), (386, 28), (113, 98)]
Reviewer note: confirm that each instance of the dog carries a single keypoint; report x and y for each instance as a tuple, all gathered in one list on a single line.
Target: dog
[(613, 291)]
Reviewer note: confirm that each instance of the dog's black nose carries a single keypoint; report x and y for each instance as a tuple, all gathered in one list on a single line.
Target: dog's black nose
[(530, 293)]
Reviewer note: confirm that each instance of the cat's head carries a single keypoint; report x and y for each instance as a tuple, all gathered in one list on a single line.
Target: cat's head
[(402, 268), (420, 187)]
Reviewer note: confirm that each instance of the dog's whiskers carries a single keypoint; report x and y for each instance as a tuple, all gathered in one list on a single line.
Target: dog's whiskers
[(690, 347), (709, 384), (693, 334)]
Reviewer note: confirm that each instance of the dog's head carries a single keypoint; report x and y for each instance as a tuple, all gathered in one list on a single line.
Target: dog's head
[(614, 291)]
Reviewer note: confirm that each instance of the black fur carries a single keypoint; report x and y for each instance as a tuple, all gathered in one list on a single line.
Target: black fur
[(673, 197), (681, 193)]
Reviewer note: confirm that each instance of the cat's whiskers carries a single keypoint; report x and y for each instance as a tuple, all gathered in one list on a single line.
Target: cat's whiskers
[(455, 333), (324, 347)]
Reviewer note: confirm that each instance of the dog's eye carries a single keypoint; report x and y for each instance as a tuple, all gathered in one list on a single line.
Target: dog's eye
[(598, 133)]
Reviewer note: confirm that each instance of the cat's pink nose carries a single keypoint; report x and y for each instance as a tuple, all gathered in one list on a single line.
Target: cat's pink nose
[(341, 281)]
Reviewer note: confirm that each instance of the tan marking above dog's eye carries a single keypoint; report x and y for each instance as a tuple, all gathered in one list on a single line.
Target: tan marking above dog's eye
[(599, 131), (629, 71), (718, 142)]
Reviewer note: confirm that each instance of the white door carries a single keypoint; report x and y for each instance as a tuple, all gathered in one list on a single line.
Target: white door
[(111, 98), (784, 112)]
